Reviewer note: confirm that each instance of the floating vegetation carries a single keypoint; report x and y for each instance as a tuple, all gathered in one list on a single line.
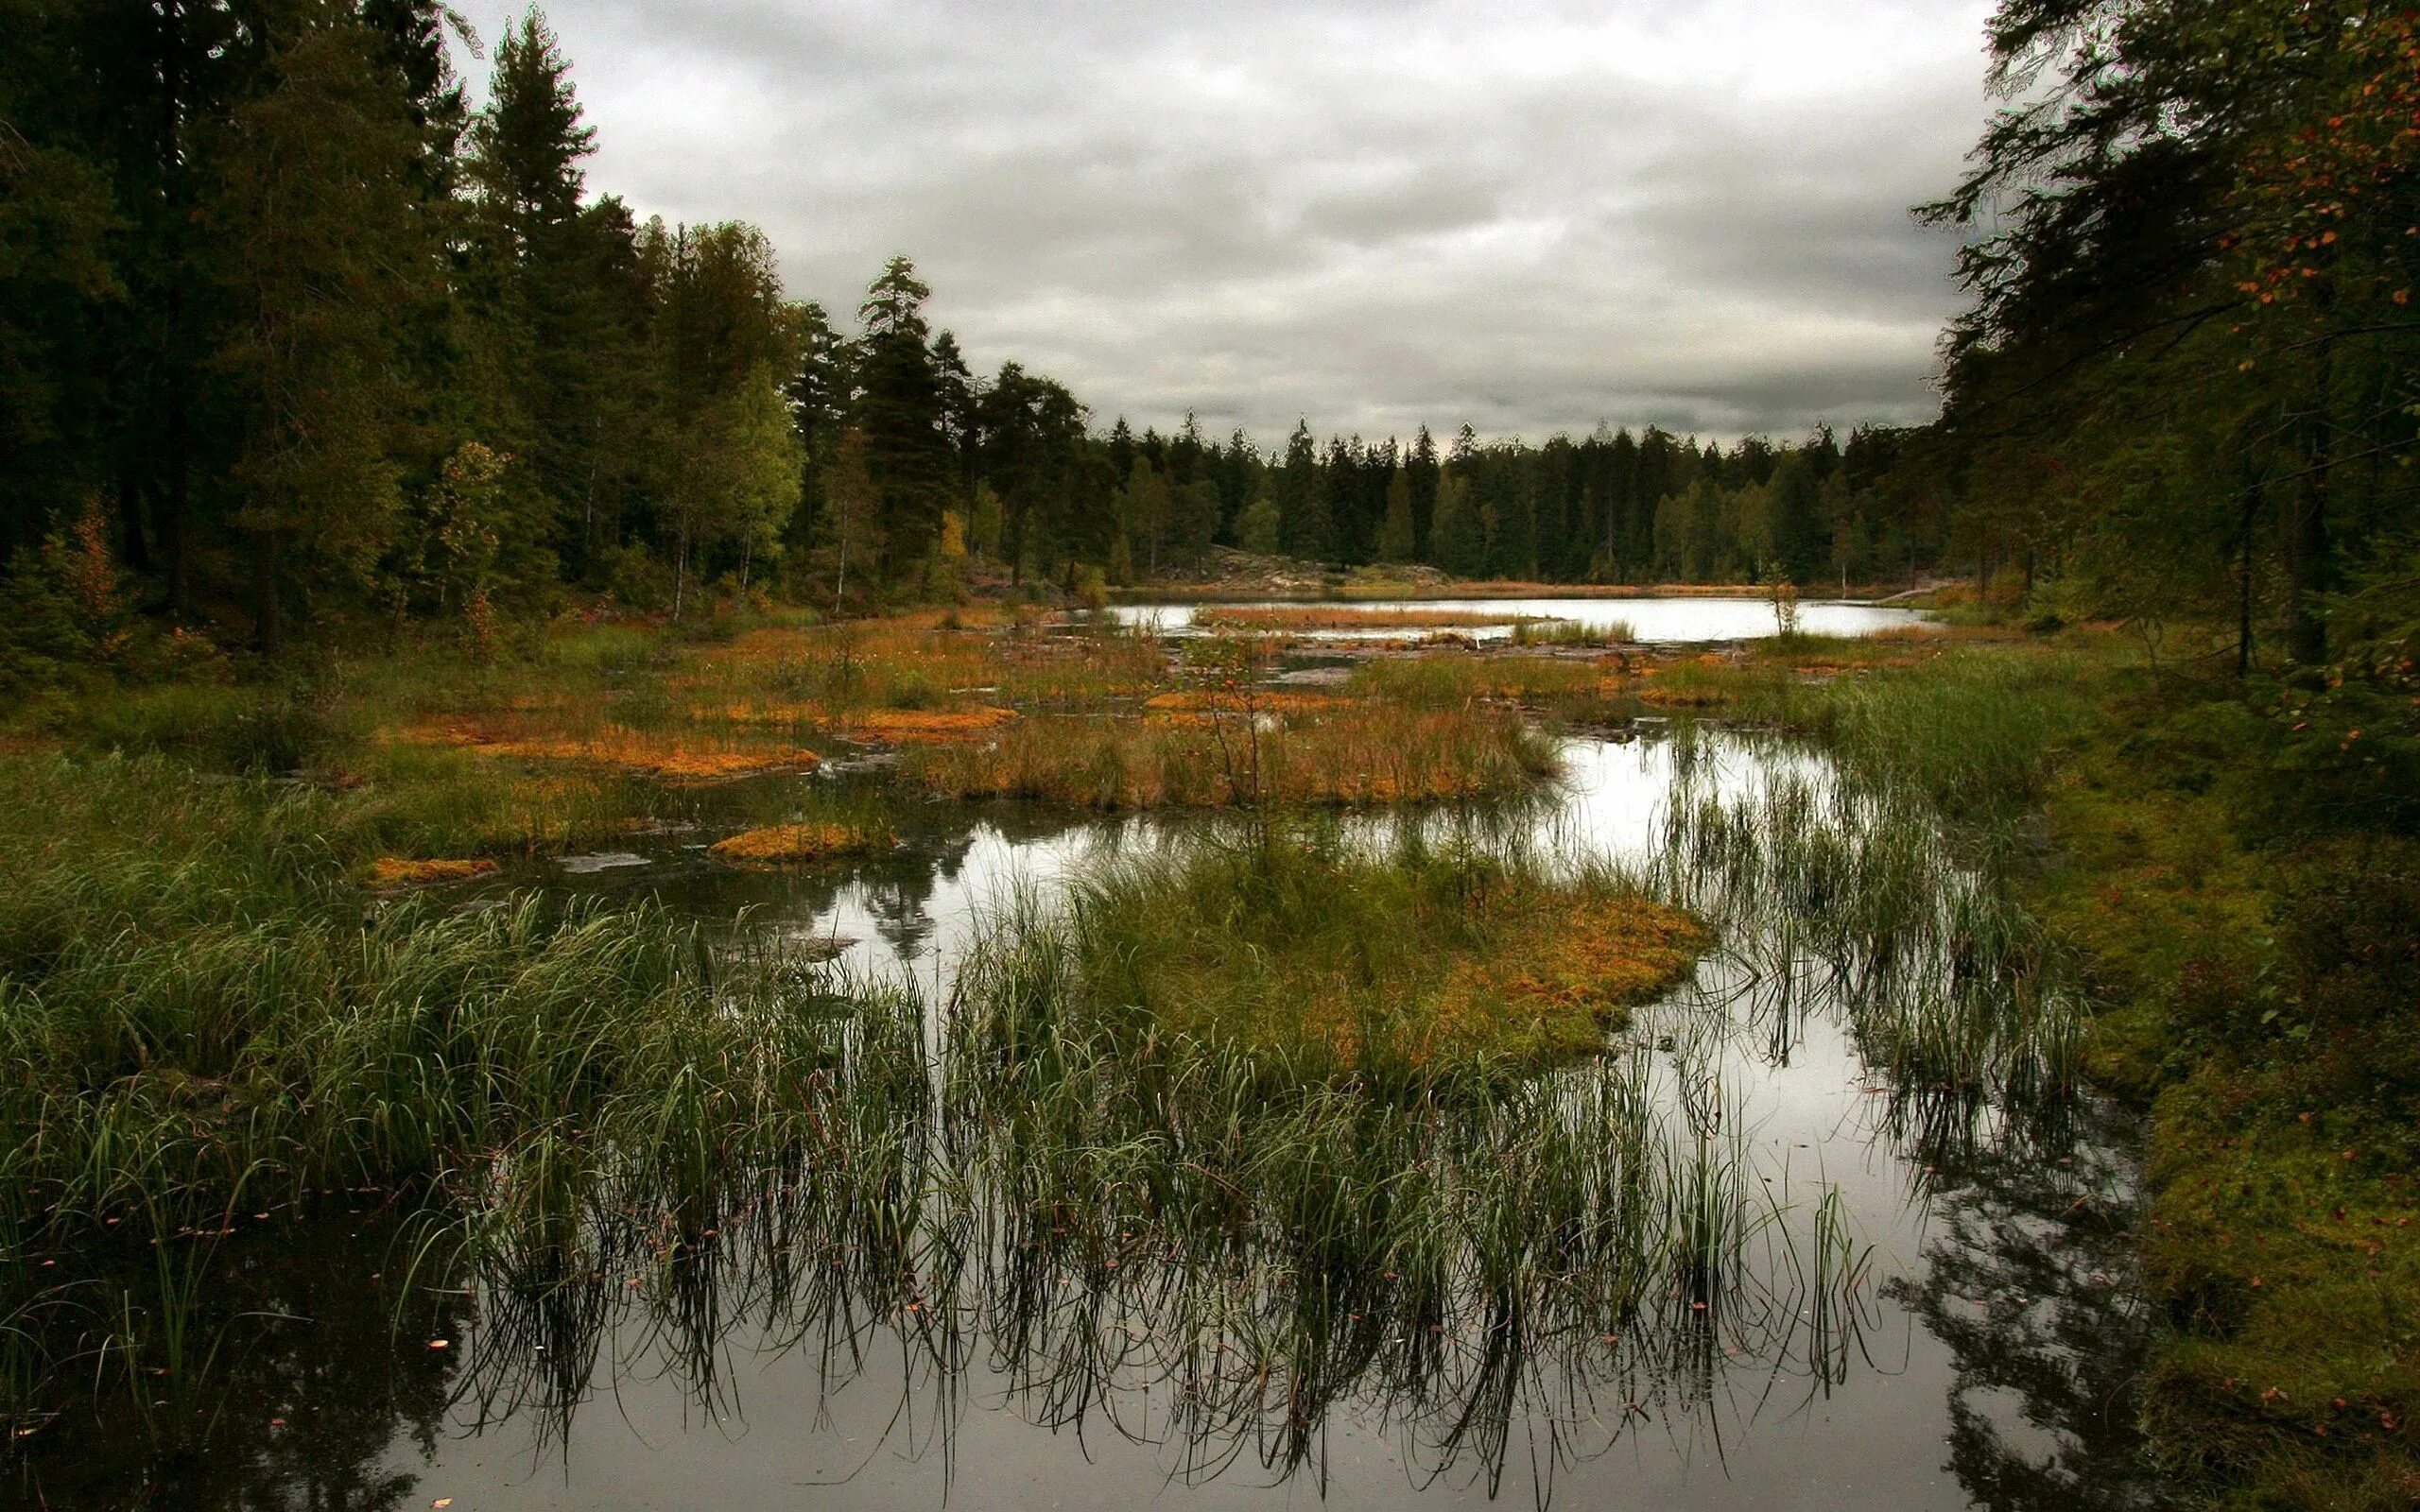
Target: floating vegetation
[(1388, 970), (791, 844), (395, 873), (617, 747)]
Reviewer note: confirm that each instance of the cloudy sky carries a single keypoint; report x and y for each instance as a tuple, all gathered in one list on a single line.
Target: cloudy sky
[(1532, 216)]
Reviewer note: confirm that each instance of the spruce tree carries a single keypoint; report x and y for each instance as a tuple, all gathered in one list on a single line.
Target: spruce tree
[(1396, 541), (900, 408), (320, 226)]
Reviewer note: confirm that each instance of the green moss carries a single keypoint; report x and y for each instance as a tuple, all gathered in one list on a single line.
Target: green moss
[(2254, 968)]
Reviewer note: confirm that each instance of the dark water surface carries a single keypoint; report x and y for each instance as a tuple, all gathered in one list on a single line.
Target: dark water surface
[(1979, 1351)]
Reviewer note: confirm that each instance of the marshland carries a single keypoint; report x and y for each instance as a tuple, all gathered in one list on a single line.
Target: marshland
[(1779, 868), (1440, 1061)]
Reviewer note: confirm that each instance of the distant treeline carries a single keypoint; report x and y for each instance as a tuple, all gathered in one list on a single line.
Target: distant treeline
[(1608, 507)]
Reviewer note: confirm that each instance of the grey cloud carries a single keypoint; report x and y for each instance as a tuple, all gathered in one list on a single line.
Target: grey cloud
[(1534, 216)]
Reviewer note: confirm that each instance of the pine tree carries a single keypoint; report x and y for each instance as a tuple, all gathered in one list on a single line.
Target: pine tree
[(1420, 471), (1302, 499), (319, 215), (900, 408), (1397, 539)]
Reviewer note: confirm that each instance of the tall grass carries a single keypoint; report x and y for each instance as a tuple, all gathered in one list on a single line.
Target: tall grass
[(1576, 633), (1358, 753), (1976, 731), (1392, 966), (1949, 986)]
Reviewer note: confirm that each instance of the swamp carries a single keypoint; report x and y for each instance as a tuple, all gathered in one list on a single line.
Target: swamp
[(1437, 768), (656, 1066)]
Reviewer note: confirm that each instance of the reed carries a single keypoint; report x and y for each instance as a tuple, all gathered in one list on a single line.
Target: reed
[(1391, 969), (1949, 984), (1579, 633), (1241, 755)]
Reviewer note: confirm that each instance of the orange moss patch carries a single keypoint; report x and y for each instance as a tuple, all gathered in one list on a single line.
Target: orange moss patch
[(1550, 990), (1666, 697), (792, 844), (619, 747), (784, 715), (394, 873), (1575, 966), (922, 725), (1550, 976), (1204, 701)]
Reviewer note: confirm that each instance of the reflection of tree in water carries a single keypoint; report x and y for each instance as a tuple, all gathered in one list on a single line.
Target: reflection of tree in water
[(298, 1405), (2031, 1283)]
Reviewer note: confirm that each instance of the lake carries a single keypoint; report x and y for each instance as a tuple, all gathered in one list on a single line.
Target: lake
[(1651, 620)]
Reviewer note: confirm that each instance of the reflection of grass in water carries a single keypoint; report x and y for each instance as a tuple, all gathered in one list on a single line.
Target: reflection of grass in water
[(1152, 1231), (1946, 983)]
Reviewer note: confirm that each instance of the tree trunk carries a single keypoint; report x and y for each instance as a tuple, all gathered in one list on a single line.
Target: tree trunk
[(2309, 554), (134, 539), (269, 629), (176, 520), (2243, 575)]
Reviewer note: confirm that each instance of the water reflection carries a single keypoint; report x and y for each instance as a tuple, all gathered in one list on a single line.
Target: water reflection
[(1651, 621), (1772, 1277)]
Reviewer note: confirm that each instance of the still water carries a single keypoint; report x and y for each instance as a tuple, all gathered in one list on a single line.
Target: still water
[(1651, 620), (1980, 1352)]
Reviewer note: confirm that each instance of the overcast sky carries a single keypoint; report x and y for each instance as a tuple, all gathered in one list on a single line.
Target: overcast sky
[(1532, 216)]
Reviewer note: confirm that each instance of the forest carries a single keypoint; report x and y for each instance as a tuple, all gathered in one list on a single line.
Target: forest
[(307, 342)]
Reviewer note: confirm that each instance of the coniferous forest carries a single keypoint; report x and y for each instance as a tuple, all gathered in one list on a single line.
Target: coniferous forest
[(308, 341), (613, 869)]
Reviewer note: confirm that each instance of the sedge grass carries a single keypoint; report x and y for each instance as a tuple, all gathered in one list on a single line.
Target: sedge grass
[(1352, 754), (1388, 968)]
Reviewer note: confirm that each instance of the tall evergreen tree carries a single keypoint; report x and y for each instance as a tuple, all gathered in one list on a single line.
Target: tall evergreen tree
[(899, 406), (318, 213)]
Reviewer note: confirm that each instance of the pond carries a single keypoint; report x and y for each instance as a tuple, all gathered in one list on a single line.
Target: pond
[(1919, 1301), (1651, 620)]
